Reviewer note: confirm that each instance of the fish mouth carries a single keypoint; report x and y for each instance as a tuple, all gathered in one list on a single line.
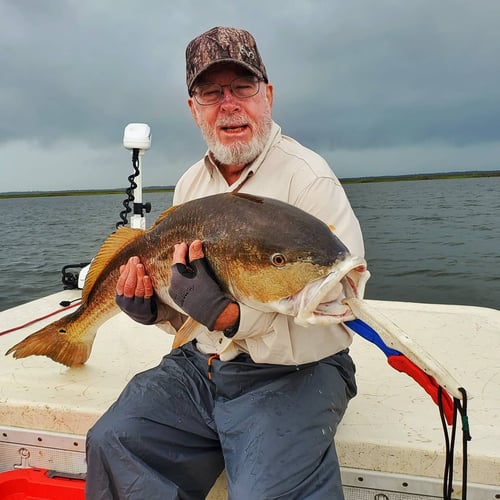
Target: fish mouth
[(321, 301)]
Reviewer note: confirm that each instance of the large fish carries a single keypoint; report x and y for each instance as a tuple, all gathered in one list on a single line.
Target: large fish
[(265, 253)]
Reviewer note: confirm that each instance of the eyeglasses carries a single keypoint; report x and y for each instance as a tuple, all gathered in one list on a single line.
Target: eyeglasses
[(212, 93)]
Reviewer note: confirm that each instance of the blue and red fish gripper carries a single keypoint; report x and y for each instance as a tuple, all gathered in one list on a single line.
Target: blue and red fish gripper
[(401, 363)]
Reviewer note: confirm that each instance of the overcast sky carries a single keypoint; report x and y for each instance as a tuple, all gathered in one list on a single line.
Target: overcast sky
[(376, 86)]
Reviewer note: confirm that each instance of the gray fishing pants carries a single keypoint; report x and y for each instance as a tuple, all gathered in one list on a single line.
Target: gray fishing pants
[(173, 430)]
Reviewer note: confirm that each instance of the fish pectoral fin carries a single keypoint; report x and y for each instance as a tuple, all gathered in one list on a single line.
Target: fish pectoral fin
[(187, 332)]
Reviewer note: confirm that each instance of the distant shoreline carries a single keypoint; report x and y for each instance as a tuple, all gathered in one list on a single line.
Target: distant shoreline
[(348, 180)]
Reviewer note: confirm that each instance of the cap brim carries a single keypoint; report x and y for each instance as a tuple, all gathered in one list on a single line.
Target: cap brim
[(248, 67)]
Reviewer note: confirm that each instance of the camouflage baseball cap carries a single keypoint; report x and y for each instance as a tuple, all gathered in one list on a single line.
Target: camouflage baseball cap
[(220, 45)]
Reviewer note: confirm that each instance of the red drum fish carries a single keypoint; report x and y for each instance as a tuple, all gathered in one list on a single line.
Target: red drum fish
[(265, 253)]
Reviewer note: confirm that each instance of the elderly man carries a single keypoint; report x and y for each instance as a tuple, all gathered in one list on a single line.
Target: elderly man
[(254, 393)]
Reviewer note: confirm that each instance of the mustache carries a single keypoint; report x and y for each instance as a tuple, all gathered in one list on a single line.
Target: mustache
[(232, 121)]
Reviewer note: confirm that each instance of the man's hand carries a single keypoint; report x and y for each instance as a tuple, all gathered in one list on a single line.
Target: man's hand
[(134, 292), (194, 289)]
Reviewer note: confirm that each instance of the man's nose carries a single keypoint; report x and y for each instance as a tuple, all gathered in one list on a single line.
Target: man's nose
[(228, 98)]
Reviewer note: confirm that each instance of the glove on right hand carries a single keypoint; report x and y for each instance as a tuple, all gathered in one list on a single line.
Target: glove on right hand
[(139, 309), (197, 293)]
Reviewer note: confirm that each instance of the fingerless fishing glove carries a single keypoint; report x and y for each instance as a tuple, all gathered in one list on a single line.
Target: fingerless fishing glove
[(197, 293), (139, 309)]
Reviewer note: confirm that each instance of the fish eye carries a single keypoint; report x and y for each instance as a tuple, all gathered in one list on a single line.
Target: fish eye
[(278, 259)]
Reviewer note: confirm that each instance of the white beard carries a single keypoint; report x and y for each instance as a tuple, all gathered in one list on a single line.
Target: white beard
[(238, 153)]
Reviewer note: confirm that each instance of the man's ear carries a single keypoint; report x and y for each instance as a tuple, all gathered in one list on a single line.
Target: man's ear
[(194, 112), (270, 93)]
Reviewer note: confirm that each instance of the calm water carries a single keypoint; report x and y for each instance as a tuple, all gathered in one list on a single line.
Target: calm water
[(432, 241)]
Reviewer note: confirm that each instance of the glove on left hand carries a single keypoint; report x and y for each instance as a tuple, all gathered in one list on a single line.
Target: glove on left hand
[(197, 293)]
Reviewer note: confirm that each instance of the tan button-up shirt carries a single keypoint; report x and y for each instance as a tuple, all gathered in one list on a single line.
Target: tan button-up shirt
[(287, 171)]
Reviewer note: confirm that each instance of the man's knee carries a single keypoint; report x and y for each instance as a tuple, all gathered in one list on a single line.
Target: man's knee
[(105, 433)]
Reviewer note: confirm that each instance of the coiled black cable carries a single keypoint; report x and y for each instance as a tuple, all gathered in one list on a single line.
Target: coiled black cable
[(130, 190)]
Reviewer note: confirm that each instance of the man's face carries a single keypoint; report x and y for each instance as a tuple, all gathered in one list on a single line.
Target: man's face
[(235, 129)]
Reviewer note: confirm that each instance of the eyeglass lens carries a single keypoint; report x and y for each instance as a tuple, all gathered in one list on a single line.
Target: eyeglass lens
[(211, 93)]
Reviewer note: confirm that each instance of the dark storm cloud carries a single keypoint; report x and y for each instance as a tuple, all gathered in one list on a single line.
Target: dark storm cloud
[(351, 76), (81, 70), (383, 74)]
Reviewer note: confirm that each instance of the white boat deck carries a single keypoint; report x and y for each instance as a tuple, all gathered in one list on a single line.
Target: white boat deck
[(392, 425)]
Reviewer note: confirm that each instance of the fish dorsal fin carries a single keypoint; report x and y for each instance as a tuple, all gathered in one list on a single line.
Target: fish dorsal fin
[(164, 215), (118, 240)]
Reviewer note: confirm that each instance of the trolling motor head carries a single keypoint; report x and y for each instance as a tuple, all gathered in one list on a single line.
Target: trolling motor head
[(137, 136)]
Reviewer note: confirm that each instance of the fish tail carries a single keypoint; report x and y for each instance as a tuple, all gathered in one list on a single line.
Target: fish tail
[(55, 342)]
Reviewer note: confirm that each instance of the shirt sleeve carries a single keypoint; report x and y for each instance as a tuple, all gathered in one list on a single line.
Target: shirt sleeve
[(254, 322), (167, 314), (326, 199)]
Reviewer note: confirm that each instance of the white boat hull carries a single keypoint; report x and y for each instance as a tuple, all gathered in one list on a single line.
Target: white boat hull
[(391, 435)]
